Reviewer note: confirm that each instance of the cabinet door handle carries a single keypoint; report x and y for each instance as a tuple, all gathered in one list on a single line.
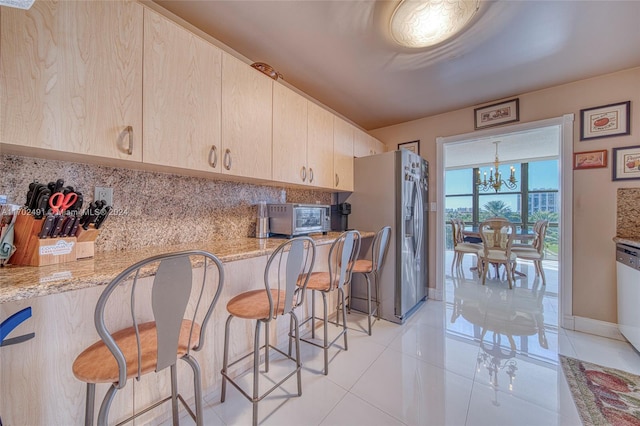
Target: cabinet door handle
[(213, 152), (227, 159), (337, 179), (310, 175), (129, 130), (303, 173)]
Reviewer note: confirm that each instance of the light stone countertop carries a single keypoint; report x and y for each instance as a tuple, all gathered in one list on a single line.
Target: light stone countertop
[(24, 282), (630, 242)]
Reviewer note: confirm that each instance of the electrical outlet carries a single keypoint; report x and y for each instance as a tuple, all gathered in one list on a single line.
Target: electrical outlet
[(103, 193)]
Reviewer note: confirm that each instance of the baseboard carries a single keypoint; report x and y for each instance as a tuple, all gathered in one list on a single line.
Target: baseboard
[(596, 327), (435, 294)]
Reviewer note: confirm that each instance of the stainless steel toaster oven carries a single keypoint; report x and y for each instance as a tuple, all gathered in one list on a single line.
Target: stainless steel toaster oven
[(299, 219)]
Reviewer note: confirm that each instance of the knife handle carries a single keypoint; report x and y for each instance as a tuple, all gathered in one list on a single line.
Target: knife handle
[(66, 226), (102, 217), (46, 227), (74, 227), (57, 226)]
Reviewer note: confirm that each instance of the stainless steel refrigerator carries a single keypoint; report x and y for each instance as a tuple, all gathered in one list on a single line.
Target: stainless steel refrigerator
[(391, 189)]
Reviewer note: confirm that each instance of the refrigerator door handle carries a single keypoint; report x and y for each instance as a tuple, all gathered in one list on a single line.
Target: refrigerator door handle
[(418, 207)]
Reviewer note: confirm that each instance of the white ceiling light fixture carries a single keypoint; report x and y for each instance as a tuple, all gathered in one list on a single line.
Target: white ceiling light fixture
[(429, 22)]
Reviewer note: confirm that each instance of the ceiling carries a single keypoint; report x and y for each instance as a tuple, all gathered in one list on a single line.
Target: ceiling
[(516, 147), (341, 53)]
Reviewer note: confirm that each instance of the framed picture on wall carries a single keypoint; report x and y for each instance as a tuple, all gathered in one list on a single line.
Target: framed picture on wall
[(497, 114), (590, 159), (413, 146), (626, 163), (605, 121)]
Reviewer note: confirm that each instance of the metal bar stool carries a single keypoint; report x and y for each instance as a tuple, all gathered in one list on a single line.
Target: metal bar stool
[(292, 259), (365, 267), (342, 256), (177, 302)]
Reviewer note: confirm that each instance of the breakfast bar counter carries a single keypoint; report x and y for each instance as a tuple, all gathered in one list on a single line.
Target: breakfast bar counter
[(36, 380), (24, 282)]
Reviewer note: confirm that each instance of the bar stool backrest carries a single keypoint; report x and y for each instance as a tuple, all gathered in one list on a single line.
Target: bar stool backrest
[(174, 296), (290, 261), (380, 247), (342, 256)]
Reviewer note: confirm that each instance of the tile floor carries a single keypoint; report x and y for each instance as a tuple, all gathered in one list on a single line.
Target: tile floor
[(486, 355)]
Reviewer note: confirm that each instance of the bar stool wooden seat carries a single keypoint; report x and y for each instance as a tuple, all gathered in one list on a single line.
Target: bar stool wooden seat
[(177, 303), (366, 267), (342, 256), (292, 259)]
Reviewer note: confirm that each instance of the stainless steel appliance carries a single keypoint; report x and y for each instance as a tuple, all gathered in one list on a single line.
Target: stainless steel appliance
[(299, 219), (391, 189), (340, 217), (628, 277)]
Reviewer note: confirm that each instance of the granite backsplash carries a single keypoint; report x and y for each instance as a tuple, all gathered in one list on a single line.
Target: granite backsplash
[(151, 208), (628, 217)]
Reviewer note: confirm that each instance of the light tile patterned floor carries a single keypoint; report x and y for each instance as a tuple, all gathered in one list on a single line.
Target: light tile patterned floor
[(486, 355)]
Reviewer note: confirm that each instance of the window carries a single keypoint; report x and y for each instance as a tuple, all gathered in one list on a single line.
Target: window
[(535, 196)]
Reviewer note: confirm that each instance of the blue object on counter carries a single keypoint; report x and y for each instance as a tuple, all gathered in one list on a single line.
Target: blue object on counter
[(8, 325), (472, 240)]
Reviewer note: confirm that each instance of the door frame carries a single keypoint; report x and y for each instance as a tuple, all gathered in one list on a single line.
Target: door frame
[(565, 256)]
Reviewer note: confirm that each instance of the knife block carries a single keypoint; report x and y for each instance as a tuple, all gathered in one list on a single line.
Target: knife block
[(86, 241), (33, 251)]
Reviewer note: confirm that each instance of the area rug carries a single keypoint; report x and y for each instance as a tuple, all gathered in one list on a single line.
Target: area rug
[(604, 396)]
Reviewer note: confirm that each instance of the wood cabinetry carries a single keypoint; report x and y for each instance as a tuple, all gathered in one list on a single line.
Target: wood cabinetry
[(246, 120), (365, 144), (182, 88), (320, 146), (343, 134), (289, 136), (72, 77), (302, 140)]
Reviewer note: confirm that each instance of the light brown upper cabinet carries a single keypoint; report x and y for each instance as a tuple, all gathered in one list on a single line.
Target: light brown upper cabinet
[(289, 136), (246, 120), (72, 77), (343, 134), (320, 146), (182, 89), (365, 144), (377, 147)]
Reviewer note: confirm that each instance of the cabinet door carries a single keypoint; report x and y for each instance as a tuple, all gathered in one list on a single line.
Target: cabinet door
[(343, 134), (289, 136), (377, 147), (72, 77), (246, 120), (320, 146), (182, 78), (361, 144)]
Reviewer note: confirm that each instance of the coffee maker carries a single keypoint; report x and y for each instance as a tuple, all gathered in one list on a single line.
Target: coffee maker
[(340, 217)]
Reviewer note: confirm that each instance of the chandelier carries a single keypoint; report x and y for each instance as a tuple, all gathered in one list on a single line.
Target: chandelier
[(428, 22), (495, 180)]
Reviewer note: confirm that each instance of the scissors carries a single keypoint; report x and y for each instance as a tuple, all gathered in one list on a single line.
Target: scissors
[(60, 202)]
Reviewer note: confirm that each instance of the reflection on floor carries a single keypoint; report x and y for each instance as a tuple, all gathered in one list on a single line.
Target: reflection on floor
[(486, 355)]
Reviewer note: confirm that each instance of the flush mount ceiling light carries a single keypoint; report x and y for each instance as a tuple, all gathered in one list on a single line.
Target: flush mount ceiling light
[(429, 22)]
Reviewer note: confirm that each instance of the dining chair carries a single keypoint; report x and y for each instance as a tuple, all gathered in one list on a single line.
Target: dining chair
[(179, 303), (372, 266), (460, 247), (497, 237), (342, 256), (535, 252), (281, 295)]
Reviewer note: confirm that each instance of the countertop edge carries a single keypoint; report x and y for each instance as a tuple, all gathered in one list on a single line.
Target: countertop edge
[(627, 241), (25, 282)]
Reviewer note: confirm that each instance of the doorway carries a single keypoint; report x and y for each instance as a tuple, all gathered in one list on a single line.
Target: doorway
[(546, 139)]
